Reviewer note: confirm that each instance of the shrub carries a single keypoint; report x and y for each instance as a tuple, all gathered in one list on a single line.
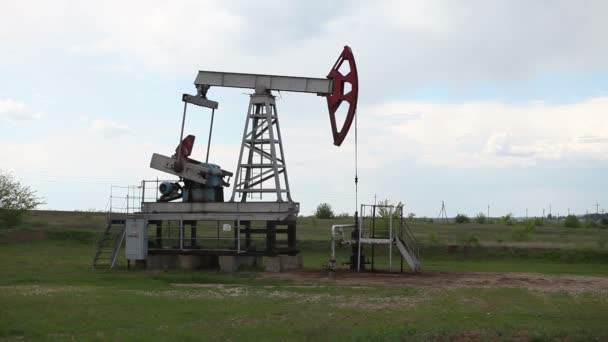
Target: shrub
[(462, 218), (604, 221), (523, 231), (11, 217), (344, 216), (324, 211), (481, 218), (572, 221), (472, 241), (507, 219), (591, 224), (538, 221)]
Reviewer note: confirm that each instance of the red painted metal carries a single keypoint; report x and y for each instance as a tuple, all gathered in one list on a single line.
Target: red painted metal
[(337, 96), (186, 148)]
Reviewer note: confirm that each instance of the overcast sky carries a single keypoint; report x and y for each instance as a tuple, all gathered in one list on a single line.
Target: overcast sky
[(476, 103)]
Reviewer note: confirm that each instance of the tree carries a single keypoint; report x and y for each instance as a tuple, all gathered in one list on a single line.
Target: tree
[(384, 211), (324, 211), (572, 221), (462, 218), (480, 218), (15, 200), (507, 219)]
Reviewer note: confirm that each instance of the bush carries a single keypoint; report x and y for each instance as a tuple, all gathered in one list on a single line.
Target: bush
[(10, 218), (507, 219), (572, 221), (591, 224), (344, 216), (471, 241), (324, 211), (523, 231), (604, 221), (462, 218), (481, 218)]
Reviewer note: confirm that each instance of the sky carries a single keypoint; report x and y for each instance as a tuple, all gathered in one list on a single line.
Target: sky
[(475, 103)]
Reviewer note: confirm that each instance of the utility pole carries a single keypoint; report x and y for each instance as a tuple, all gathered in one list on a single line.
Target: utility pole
[(442, 213), (526, 213), (488, 211), (568, 211), (543, 213), (597, 208)]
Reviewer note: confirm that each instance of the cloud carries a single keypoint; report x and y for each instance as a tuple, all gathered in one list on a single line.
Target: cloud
[(109, 128), (410, 43), (14, 111), (491, 133)]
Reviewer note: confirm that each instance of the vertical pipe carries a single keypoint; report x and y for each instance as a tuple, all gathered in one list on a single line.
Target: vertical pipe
[(143, 195), (373, 233), (210, 131), (181, 234), (390, 238), (359, 240), (238, 236)]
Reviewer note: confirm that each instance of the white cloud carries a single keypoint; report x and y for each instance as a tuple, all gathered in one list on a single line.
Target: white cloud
[(14, 111), (492, 133), (396, 42), (109, 128)]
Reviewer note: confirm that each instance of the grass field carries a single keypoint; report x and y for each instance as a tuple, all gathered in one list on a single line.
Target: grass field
[(559, 290)]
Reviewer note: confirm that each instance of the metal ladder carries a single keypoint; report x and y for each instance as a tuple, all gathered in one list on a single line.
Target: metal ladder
[(108, 247), (406, 244)]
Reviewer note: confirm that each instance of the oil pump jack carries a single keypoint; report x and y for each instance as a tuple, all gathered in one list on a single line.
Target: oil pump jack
[(196, 199)]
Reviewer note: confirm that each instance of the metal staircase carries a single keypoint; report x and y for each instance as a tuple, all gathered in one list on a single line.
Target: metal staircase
[(384, 225), (407, 246), (108, 247)]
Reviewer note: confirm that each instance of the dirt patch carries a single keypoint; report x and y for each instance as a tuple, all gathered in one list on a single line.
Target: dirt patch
[(449, 279)]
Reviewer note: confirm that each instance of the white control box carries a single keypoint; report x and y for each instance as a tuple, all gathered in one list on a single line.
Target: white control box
[(136, 244)]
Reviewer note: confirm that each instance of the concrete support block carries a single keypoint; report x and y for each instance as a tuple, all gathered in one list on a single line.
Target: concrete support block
[(139, 264), (271, 264), (160, 262), (291, 262), (189, 262), (228, 263), (247, 263)]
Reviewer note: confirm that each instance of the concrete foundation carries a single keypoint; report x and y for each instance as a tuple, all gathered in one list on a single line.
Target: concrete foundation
[(225, 263), (282, 263), (189, 262), (229, 263), (160, 262)]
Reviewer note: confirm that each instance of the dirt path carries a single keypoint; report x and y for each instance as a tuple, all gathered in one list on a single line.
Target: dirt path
[(449, 279)]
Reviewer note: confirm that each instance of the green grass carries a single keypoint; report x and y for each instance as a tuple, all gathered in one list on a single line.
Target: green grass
[(49, 292)]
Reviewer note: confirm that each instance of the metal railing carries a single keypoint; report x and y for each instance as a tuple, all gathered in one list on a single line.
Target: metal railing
[(129, 199)]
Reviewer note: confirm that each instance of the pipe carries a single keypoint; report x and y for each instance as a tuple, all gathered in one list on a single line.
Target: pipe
[(332, 260)]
